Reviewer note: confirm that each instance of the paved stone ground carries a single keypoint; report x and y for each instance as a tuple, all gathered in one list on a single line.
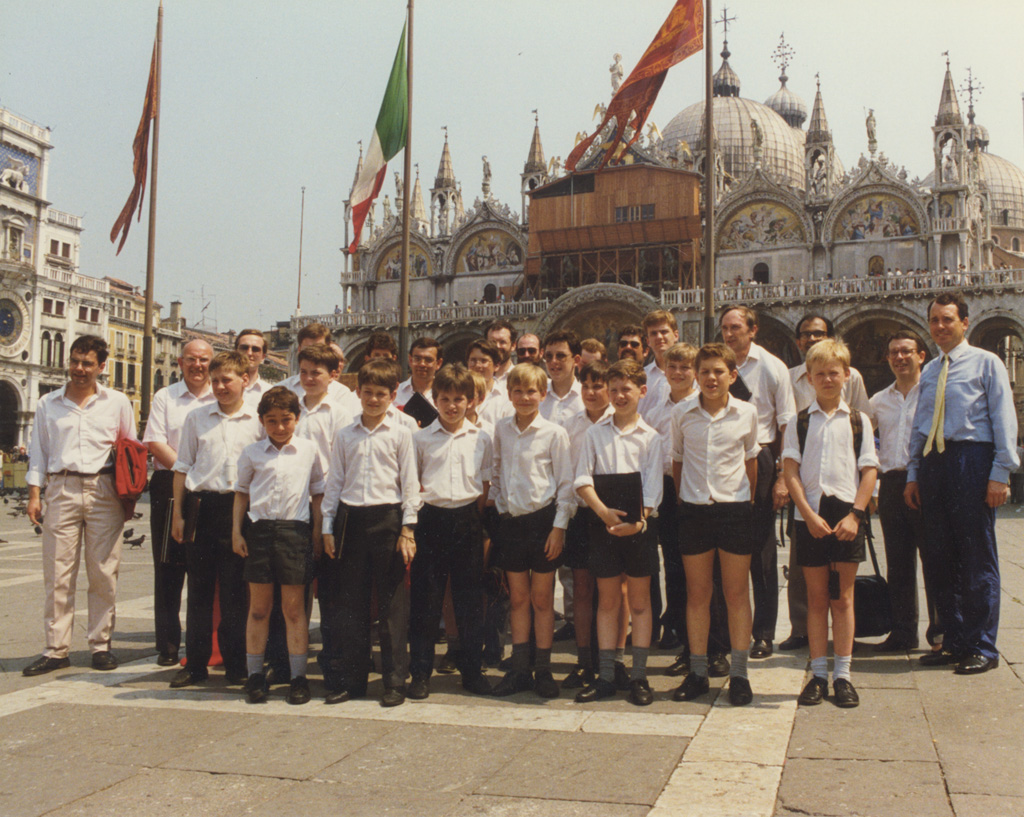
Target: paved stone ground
[(76, 742)]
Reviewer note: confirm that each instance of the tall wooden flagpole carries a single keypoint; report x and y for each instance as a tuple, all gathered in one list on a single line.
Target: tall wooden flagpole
[(147, 330), (709, 183), (403, 309)]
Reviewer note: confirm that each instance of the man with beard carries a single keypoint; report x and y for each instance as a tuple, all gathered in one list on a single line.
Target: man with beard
[(503, 335)]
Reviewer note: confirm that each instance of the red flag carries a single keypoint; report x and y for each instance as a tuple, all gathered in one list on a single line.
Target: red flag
[(681, 35), (140, 148)]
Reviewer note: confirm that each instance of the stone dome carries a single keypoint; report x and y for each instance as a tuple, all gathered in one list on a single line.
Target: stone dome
[(783, 149), (1005, 183), (788, 105)]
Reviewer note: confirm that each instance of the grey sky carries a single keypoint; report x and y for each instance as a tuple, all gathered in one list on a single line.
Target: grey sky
[(262, 98)]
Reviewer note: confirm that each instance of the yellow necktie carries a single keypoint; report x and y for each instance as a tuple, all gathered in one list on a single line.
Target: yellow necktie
[(935, 433)]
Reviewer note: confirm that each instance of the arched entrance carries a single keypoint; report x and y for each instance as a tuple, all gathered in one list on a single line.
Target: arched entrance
[(9, 406), (1003, 336), (762, 275), (597, 311)]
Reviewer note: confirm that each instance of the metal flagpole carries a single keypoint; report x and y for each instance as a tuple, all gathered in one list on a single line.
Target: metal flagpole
[(709, 184), (302, 224), (403, 324), (147, 327)]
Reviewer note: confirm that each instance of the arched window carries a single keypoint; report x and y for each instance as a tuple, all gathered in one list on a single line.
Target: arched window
[(876, 265), (46, 349), (58, 350), (762, 275), (490, 294), (1016, 245), (158, 380)]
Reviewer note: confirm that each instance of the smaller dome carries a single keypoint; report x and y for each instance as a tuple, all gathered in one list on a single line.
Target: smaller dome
[(977, 134), (725, 82), (788, 105)]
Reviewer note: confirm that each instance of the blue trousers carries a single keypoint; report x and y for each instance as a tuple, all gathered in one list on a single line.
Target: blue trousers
[(960, 545)]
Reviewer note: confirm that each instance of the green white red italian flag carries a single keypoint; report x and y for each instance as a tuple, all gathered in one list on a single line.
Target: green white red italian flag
[(389, 137)]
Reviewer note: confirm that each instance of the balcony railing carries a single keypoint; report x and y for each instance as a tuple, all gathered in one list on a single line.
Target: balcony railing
[(69, 278), (428, 314), (67, 219), (25, 126)]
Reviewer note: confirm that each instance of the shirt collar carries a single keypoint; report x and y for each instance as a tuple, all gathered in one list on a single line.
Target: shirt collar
[(467, 428), (99, 395), (843, 408), (245, 410), (958, 351), (270, 448)]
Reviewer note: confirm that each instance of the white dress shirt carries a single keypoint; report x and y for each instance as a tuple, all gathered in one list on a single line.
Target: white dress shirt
[(453, 467), (255, 390), (167, 416), (211, 443), (280, 481), (576, 426), (397, 416), (828, 465), (657, 385), (768, 380), (714, 450), (320, 425), (894, 416), (560, 409), (607, 449), (69, 437), (372, 467), (336, 392), (406, 391), (495, 405), (532, 469), (854, 392), (658, 414)]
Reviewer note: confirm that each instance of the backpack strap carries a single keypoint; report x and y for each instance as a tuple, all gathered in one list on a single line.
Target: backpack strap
[(803, 420)]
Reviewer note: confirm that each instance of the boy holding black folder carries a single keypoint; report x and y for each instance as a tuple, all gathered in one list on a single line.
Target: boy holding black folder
[(619, 476)]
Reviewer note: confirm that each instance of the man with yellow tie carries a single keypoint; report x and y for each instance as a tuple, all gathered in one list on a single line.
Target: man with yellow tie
[(963, 447)]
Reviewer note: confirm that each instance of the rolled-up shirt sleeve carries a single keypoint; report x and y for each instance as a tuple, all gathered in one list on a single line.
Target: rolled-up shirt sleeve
[(561, 461), (38, 449), (409, 478), (791, 444), (653, 472)]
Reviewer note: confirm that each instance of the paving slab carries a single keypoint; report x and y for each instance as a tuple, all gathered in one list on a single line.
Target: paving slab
[(872, 670), (588, 767), (983, 805), (865, 733), (719, 788), (321, 798), (479, 806), (862, 788), (281, 747), (29, 787), (757, 733)]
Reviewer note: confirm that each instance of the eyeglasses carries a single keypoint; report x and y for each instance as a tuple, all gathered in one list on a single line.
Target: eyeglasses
[(813, 334), (246, 348), (556, 356), (632, 344), (902, 352)]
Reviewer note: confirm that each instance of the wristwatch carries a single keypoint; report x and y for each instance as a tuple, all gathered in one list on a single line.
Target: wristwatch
[(861, 515)]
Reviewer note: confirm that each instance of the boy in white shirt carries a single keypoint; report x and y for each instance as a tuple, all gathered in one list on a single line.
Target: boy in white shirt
[(212, 439), (532, 490), (622, 444), (831, 482), (369, 515), (714, 467), (453, 458), (562, 358), (483, 357), (279, 477)]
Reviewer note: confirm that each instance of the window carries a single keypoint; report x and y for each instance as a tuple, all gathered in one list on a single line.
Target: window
[(131, 343), (118, 375), (119, 340), (642, 212), (54, 246), (58, 307), (1016, 245), (131, 376), (94, 315), (47, 306), (88, 315), (158, 380), (83, 313), (58, 350), (761, 273), (46, 349), (65, 250)]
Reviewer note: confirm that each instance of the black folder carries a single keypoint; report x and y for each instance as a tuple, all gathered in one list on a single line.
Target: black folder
[(623, 492), (419, 408), (740, 390)]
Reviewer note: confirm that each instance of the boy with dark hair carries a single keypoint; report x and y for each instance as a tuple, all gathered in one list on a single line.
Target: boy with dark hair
[(425, 358), (562, 358), (381, 344), (212, 439), (369, 515), (484, 357), (279, 479)]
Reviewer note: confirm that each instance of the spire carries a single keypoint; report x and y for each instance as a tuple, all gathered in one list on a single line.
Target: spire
[(359, 168), (818, 130), (725, 81), (535, 159), (784, 102), (977, 135), (419, 211), (445, 174), (949, 108)]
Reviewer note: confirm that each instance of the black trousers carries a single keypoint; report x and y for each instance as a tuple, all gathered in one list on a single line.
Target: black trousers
[(212, 562), (368, 561), (449, 543), (169, 578), (674, 613), (903, 530), (764, 561)]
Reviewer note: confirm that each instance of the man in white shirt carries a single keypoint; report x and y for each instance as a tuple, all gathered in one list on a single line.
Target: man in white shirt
[(253, 344), (163, 433), (425, 359), (660, 333), (72, 451), (562, 358), (765, 379), (528, 349), (503, 335)]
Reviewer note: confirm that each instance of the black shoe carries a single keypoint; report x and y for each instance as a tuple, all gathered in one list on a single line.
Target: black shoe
[(670, 640), (186, 678), (718, 665), (597, 691), (393, 696), (761, 648), (794, 642), (256, 688), (640, 692), (505, 664), (512, 683), (299, 692), (277, 676), (104, 660), (476, 684), (621, 677), (419, 688), (567, 632), (975, 664), (938, 658), (845, 695), (579, 677), (45, 664), (693, 686), (814, 693), (740, 693), (338, 697), (680, 666), (544, 684), (447, 665), (236, 679), (167, 659), (896, 643)]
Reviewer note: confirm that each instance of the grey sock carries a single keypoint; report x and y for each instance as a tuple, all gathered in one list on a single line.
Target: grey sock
[(819, 666), (738, 663), (542, 659), (297, 664), (620, 654), (699, 665), (253, 663), (841, 667), (521, 657), (606, 665), (639, 670)]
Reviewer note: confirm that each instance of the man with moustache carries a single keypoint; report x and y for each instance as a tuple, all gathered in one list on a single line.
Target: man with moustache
[(424, 361), (253, 344), (163, 432), (503, 335), (528, 349), (631, 343)]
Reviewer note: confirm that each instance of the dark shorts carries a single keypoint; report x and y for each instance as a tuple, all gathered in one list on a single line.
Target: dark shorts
[(520, 541), (811, 552), (610, 556), (280, 552), (727, 526), (576, 553)]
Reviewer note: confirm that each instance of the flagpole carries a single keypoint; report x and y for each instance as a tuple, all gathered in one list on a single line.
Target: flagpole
[(709, 184), (403, 309), (147, 329), (302, 224)]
